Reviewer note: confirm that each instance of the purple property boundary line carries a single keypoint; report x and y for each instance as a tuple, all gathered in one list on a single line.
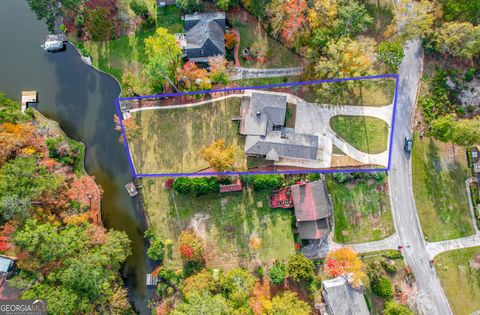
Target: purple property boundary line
[(289, 84)]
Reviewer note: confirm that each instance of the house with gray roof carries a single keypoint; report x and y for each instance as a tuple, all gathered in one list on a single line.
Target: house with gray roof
[(263, 124), (204, 35), (341, 298)]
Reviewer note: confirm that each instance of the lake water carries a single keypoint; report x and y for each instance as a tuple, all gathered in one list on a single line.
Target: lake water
[(82, 101)]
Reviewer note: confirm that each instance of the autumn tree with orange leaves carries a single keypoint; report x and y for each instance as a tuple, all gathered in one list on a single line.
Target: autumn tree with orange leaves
[(344, 261), (287, 19), (193, 78)]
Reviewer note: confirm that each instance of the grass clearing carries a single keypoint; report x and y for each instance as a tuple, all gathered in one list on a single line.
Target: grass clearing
[(361, 210), (439, 172), (226, 221), (460, 281), (376, 93), (367, 134), (170, 140), (250, 31), (127, 53)]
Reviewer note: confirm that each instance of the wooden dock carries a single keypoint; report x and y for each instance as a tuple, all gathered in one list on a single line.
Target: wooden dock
[(151, 280), (28, 97)]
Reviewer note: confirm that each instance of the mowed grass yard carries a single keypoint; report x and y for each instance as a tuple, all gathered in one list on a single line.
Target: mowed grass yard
[(439, 175), (127, 53), (250, 30), (361, 211), (460, 281), (375, 92), (225, 221), (170, 140), (367, 134)]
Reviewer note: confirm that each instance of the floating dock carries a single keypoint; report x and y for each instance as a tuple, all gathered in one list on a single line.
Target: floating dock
[(131, 189), (28, 97), (152, 280)]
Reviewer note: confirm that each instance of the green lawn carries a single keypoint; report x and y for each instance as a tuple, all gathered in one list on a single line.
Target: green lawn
[(361, 211), (439, 175), (229, 220), (460, 281), (127, 53), (250, 31), (169, 141), (367, 134), (376, 93)]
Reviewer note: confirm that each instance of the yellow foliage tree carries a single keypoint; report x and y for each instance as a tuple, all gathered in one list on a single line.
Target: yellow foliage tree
[(344, 261), (219, 156), (347, 58), (411, 19), (322, 13)]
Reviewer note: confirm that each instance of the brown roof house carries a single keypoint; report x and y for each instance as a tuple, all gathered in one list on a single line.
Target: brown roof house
[(313, 209), (263, 124), (204, 36), (341, 298)]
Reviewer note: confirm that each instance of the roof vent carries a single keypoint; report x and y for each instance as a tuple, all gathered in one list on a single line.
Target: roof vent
[(259, 113), (205, 31)]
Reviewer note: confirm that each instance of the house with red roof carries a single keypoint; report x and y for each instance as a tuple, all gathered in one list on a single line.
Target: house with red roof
[(313, 209)]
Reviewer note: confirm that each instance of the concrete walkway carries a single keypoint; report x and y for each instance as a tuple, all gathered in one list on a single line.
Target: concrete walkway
[(254, 73), (390, 242), (436, 248)]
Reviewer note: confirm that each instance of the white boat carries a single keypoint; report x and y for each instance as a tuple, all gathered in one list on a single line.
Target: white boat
[(54, 42)]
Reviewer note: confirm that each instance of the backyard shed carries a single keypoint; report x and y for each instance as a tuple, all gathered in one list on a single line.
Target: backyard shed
[(236, 186)]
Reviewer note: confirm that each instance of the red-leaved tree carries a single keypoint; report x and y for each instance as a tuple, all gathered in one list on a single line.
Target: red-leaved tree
[(190, 246)]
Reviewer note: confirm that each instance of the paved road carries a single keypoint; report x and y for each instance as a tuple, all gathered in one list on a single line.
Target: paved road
[(433, 299)]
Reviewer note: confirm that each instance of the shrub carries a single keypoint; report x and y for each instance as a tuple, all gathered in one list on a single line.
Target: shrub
[(190, 246), (341, 178), (392, 308), (391, 54), (277, 273), (266, 182), (389, 268), (199, 185), (140, 9), (237, 285), (313, 176), (200, 282), (382, 287), (393, 254), (300, 267), (63, 28), (230, 40), (148, 23), (469, 74), (156, 251), (99, 24), (63, 150)]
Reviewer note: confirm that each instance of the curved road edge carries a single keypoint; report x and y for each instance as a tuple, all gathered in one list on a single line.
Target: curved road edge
[(431, 299)]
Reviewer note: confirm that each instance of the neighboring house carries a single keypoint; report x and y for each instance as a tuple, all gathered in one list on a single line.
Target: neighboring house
[(263, 124), (313, 209), (341, 298), (204, 36), (7, 265)]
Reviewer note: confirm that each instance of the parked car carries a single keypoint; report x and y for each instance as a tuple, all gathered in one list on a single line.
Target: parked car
[(407, 147)]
